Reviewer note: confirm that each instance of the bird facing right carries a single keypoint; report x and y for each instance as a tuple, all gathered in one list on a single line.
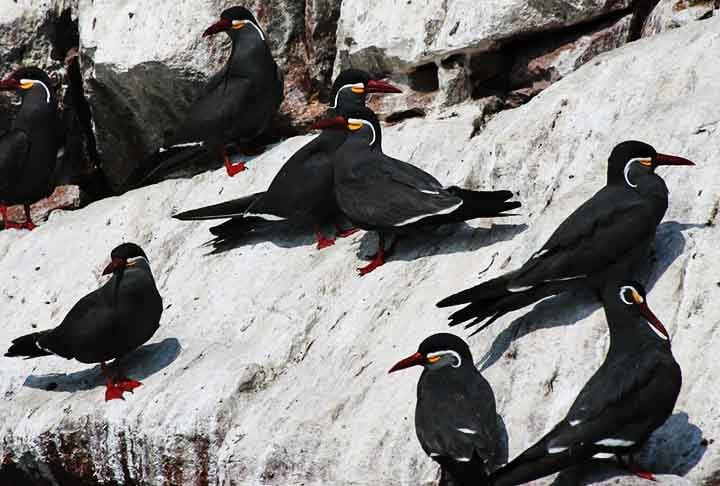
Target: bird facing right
[(455, 417), (607, 236), (632, 394)]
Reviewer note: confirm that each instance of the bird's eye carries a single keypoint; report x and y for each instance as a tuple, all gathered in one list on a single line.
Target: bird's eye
[(626, 295)]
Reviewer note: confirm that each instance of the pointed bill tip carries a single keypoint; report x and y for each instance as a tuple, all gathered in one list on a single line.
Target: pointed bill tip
[(664, 159), (414, 360)]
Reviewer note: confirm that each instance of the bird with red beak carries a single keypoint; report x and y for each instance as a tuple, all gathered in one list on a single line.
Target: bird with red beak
[(106, 324), (455, 417), (28, 150), (608, 235), (631, 394), (302, 191), (235, 107)]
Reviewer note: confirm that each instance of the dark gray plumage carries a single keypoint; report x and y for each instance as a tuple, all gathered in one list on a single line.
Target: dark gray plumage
[(632, 394), (390, 196), (235, 107), (107, 323), (455, 417), (605, 237), (301, 192), (28, 150)]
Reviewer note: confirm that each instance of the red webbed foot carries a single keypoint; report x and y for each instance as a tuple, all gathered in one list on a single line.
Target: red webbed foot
[(113, 393), (234, 169), (377, 261), (324, 243)]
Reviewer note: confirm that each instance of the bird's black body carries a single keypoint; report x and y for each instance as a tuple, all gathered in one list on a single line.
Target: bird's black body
[(632, 394), (455, 417), (604, 238), (380, 193), (236, 105), (302, 191), (109, 322), (28, 150)]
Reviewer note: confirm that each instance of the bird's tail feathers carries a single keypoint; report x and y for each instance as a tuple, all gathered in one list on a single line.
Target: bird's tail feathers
[(238, 227), (155, 166), (230, 209), (481, 204), (525, 469), (27, 346), (470, 473)]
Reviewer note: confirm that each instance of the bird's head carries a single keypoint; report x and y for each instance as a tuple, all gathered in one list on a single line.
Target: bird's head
[(123, 256), (632, 298), (233, 20), (362, 123), (26, 80), (437, 352), (630, 160), (352, 86)]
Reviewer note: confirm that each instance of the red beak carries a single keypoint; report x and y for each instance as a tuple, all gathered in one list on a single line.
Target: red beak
[(9, 84), (653, 320), (662, 159), (416, 359), (337, 122), (221, 25), (374, 86), (115, 264)]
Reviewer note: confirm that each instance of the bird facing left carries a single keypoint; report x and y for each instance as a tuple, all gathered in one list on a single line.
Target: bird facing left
[(108, 323)]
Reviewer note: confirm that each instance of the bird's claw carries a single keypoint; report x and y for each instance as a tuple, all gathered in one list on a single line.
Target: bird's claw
[(234, 169), (324, 243)]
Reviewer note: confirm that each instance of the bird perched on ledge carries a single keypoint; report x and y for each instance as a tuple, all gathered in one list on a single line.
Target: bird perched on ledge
[(455, 417), (106, 324), (236, 105), (302, 191), (632, 394), (379, 193), (28, 150), (607, 236)]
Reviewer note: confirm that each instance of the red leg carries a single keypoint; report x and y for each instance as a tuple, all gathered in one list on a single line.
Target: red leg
[(232, 169), (28, 225), (322, 242), (636, 469), (379, 258)]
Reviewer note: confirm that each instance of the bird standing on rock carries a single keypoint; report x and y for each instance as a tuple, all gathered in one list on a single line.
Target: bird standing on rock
[(455, 417), (106, 324), (302, 191), (236, 106), (379, 193), (28, 150), (608, 235), (632, 394)]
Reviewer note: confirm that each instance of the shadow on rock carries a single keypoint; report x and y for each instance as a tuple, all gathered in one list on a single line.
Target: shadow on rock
[(444, 240), (577, 304), (282, 234), (674, 449), (141, 363)]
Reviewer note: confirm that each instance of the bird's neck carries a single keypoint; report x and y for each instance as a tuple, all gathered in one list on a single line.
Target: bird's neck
[(629, 333)]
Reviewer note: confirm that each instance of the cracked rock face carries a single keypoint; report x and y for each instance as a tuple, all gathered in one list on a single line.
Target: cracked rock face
[(144, 63), (270, 365), (671, 14), (425, 30)]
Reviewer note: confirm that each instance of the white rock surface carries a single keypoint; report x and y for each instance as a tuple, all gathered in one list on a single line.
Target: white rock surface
[(271, 363), (433, 29), (671, 14)]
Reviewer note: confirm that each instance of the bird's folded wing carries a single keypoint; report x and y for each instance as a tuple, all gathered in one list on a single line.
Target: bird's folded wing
[(14, 148), (597, 234), (387, 193), (78, 326), (220, 107)]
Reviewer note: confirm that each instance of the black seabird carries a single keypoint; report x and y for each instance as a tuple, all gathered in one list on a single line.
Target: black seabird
[(106, 324), (455, 418), (28, 150), (302, 191), (236, 106), (632, 394), (379, 193), (609, 233)]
